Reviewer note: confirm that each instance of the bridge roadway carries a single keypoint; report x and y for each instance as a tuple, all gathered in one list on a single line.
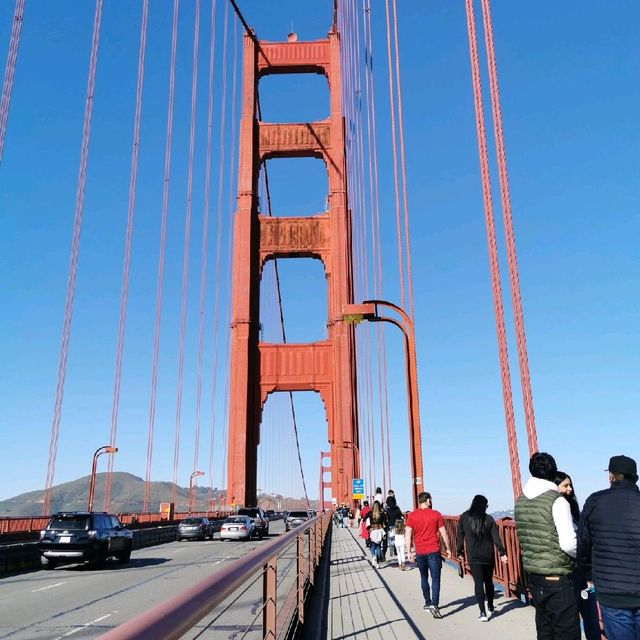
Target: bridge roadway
[(78, 602), (387, 603)]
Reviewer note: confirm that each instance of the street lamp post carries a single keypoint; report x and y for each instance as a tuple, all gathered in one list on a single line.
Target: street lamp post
[(195, 474), (369, 310), (92, 483)]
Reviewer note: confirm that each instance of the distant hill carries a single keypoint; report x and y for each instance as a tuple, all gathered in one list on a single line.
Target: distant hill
[(127, 492)]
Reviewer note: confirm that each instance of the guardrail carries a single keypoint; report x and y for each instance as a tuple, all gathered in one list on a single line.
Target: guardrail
[(510, 575), (281, 617)]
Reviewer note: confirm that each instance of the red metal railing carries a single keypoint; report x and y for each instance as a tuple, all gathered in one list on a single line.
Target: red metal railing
[(511, 575), (173, 618)]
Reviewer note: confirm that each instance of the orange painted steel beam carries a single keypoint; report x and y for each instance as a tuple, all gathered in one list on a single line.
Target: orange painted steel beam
[(327, 367)]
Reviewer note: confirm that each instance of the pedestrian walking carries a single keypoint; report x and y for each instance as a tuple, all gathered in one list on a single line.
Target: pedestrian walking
[(399, 542), (378, 496), (548, 543), (423, 526), (585, 597), (479, 530), (393, 513), (376, 523), (364, 532), (609, 549), (345, 516)]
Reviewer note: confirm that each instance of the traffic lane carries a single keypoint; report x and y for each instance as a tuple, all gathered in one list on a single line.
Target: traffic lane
[(76, 599)]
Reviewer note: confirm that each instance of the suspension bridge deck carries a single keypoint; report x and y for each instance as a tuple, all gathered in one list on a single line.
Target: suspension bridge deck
[(387, 603)]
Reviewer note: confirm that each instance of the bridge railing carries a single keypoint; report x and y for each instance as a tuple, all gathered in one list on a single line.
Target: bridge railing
[(510, 575), (281, 600)]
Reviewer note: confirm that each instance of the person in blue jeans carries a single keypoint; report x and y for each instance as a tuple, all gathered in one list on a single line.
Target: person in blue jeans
[(376, 523), (609, 549), (423, 528)]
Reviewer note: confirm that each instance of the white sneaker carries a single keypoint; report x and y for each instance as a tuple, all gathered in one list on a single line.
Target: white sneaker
[(375, 563), (483, 617), (489, 614)]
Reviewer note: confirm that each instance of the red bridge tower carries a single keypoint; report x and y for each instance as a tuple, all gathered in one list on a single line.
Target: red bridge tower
[(328, 366)]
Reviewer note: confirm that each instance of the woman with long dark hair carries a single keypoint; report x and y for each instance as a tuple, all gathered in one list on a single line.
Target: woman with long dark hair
[(586, 605), (479, 530)]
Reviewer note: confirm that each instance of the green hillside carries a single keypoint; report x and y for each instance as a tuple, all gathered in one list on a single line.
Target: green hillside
[(127, 493)]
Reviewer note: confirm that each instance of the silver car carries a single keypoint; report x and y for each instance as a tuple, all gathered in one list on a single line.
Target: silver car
[(238, 528), (295, 518)]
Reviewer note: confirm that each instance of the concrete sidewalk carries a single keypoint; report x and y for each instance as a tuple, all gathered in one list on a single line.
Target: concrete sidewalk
[(387, 603)]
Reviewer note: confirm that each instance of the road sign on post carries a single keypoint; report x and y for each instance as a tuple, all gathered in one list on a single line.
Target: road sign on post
[(358, 488)]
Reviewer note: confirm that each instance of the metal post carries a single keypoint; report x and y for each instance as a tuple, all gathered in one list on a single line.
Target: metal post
[(269, 594), (300, 578)]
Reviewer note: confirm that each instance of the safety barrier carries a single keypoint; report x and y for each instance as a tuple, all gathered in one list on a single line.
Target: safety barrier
[(280, 600), (510, 575)]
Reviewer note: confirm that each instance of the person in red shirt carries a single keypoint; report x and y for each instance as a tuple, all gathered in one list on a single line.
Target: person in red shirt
[(422, 529)]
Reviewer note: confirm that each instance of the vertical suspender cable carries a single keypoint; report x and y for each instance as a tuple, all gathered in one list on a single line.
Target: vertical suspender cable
[(216, 311), (9, 70), (73, 262), (205, 243), (512, 261), (127, 252), (403, 164), (163, 236), (185, 253), (493, 254), (392, 109)]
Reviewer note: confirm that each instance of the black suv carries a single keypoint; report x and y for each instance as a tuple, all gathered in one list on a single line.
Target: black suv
[(260, 519), (78, 536)]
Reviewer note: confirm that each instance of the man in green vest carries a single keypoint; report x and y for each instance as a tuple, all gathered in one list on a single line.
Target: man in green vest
[(548, 542)]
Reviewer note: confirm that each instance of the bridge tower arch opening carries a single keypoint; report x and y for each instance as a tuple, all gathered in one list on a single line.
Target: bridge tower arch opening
[(325, 366)]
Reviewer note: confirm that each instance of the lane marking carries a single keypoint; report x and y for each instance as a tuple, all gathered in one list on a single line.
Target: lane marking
[(84, 626), (217, 563), (51, 586), (178, 550)]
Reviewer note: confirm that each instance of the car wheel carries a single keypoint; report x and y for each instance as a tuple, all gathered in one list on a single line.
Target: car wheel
[(47, 563), (179, 539), (100, 559), (124, 556)]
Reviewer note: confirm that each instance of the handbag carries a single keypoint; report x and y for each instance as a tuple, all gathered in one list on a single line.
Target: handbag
[(376, 535)]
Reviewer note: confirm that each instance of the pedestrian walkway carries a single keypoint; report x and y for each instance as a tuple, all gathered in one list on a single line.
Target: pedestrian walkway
[(387, 603)]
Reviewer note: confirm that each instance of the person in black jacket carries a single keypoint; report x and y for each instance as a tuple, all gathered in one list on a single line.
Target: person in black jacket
[(393, 513), (587, 606), (479, 529), (609, 549)]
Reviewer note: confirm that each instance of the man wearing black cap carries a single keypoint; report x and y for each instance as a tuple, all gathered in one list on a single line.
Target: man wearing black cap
[(609, 549)]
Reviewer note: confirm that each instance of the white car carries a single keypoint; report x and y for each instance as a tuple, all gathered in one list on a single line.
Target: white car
[(238, 528)]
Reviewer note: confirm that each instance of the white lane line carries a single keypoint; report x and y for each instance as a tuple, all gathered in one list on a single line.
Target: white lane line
[(217, 563), (51, 586), (178, 550), (84, 626)]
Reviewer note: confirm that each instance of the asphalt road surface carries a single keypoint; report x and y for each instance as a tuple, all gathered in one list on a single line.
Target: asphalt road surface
[(76, 601)]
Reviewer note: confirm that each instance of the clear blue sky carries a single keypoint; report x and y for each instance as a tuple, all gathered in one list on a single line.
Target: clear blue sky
[(570, 89)]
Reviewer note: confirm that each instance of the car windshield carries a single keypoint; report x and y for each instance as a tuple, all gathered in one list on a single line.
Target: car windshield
[(298, 514), (69, 522), (240, 519), (249, 512), (192, 521)]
